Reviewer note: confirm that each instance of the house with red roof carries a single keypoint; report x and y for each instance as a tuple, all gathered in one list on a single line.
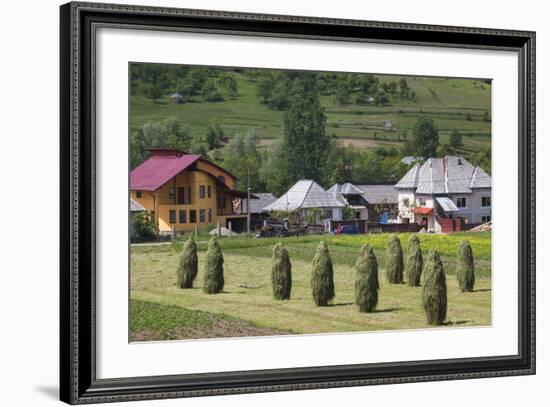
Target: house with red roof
[(184, 190)]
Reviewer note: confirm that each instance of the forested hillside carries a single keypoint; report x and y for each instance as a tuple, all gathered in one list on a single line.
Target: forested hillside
[(285, 125)]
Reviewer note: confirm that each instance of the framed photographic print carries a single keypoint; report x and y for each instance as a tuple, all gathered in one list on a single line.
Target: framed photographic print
[(255, 203)]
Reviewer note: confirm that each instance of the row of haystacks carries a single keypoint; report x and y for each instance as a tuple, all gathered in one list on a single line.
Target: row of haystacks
[(398, 267)]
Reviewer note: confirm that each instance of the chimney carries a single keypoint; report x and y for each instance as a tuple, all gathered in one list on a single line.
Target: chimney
[(165, 152)]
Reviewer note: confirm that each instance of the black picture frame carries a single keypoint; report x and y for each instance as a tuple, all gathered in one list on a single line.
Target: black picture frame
[(78, 382)]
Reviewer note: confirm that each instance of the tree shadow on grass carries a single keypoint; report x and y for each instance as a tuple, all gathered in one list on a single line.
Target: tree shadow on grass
[(341, 304), (481, 290), (452, 323), (377, 311)]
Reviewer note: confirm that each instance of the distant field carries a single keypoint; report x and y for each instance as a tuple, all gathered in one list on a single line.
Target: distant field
[(452, 103), (246, 308)]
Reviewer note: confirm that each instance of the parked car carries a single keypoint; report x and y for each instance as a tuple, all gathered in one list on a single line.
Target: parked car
[(346, 230)]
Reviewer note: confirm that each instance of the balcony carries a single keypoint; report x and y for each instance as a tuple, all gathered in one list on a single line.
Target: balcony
[(228, 212)]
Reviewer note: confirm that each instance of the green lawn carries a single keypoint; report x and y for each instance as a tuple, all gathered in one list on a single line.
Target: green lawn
[(160, 310)]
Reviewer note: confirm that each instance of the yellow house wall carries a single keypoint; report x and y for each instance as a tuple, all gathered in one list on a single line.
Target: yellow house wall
[(161, 204), (147, 199), (193, 179), (216, 172)]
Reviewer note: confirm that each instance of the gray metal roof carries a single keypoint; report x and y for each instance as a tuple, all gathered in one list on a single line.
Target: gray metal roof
[(480, 179), (305, 194), (136, 207), (378, 194), (264, 199), (447, 175), (446, 203), (410, 179), (345, 189)]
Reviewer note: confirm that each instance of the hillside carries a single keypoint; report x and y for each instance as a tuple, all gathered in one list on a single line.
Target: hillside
[(464, 105)]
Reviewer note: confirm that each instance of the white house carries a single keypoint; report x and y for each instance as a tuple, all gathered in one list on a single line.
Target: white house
[(304, 197), (351, 196), (443, 193), (369, 202)]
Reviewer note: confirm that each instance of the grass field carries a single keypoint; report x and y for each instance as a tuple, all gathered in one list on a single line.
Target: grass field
[(161, 311), (452, 103)]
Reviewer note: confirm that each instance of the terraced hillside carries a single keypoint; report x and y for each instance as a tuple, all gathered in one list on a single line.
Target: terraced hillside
[(461, 104)]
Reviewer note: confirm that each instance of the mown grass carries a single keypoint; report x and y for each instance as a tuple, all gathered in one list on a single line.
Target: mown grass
[(247, 294), (154, 321)]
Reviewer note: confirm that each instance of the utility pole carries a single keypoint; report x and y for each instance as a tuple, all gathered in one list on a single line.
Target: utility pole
[(248, 202)]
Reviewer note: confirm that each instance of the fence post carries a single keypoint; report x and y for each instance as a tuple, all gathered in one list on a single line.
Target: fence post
[(230, 229), (219, 230), (196, 231)]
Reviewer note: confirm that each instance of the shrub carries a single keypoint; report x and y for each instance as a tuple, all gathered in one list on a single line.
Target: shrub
[(434, 292), (413, 266), (213, 277), (188, 266), (394, 261), (322, 279), (465, 267), (281, 273), (366, 280), (144, 225)]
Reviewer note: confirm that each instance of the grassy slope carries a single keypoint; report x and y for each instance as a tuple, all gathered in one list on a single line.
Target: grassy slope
[(247, 293), (450, 102)]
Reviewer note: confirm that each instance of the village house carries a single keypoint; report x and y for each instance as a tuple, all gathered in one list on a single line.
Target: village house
[(176, 98), (257, 212), (382, 202), (306, 197), (375, 203), (352, 197), (443, 194), (186, 190)]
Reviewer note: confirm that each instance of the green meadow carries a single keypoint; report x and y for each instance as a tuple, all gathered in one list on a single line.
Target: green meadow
[(162, 311), (453, 104)]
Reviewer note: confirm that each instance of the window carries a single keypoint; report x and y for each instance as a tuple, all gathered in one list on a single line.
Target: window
[(461, 202), (181, 195), (485, 201), (222, 179), (183, 216), (421, 201), (172, 215), (138, 194), (172, 194), (202, 214), (485, 219), (209, 191), (201, 192), (210, 215), (192, 216)]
